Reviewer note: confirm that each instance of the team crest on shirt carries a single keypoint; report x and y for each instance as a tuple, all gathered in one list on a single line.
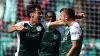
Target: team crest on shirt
[(38, 28), (55, 37)]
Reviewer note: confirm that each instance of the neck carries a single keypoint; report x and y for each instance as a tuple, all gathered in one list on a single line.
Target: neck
[(71, 23)]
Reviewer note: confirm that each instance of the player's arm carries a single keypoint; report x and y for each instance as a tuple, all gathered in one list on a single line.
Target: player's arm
[(17, 27), (75, 37), (73, 48), (55, 24)]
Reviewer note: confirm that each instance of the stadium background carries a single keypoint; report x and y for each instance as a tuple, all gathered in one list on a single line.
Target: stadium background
[(90, 24)]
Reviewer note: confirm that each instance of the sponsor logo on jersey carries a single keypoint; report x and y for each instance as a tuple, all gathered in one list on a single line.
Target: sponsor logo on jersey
[(31, 35), (55, 37), (48, 43)]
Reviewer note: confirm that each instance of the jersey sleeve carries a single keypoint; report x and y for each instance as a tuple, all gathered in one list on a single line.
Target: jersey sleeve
[(19, 24), (75, 33)]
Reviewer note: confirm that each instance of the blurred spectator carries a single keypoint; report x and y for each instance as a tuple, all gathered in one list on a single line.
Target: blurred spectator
[(63, 4), (1, 8), (91, 48), (10, 11), (83, 51), (1, 15), (1, 26), (11, 51)]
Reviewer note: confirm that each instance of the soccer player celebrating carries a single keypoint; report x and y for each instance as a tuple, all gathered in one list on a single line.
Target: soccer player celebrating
[(51, 39), (30, 32), (71, 43)]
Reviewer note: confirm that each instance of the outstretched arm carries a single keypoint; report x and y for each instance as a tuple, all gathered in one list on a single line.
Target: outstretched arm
[(15, 28), (55, 24)]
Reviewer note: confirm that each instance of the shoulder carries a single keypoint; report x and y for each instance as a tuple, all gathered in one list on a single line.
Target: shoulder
[(21, 23), (75, 27), (75, 31)]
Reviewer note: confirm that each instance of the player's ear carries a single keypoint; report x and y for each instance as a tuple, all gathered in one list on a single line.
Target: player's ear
[(31, 14), (66, 17)]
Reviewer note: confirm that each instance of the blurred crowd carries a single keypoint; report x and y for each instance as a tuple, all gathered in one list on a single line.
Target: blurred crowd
[(90, 48)]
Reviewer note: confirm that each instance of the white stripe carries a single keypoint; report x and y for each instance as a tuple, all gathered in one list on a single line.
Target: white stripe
[(18, 43)]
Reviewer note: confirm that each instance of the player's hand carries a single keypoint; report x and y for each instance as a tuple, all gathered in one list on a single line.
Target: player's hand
[(81, 14), (20, 28)]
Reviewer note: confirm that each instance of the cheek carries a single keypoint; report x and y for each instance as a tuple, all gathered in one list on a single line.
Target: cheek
[(62, 17), (36, 16)]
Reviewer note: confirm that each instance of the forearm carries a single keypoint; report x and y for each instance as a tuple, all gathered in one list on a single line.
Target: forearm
[(56, 24), (72, 51), (12, 29)]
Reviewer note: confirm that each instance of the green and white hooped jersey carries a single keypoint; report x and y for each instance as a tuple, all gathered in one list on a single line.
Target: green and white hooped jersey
[(29, 40), (50, 43), (72, 33)]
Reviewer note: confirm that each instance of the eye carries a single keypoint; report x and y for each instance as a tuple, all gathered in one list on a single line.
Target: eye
[(50, 16)]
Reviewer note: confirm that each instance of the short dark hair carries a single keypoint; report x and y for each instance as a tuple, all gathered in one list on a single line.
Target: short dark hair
[(71, 13), (31, 8)]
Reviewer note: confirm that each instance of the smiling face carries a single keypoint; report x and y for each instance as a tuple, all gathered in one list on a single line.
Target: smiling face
[(50, 16)]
